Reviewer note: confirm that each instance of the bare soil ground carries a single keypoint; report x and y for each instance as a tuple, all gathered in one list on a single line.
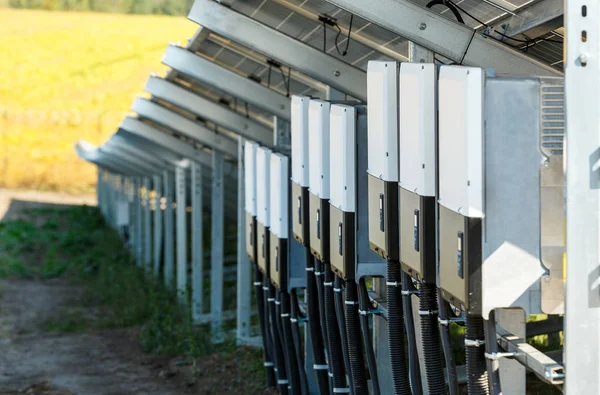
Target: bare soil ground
[(37, 360)]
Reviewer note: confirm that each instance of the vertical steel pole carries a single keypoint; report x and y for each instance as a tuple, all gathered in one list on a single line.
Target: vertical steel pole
[(244, 273), (181, 200), (157, 184), (138, 222), (582, 299), (197, 243), (216, 256), (147, 225), (169, 231)]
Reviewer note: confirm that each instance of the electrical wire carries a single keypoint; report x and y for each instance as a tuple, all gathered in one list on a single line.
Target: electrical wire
[(345, 52)]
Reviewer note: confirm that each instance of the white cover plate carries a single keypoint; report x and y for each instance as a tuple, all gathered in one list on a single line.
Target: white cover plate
[(418, 115), (279, 195), (382, 102), (300, 140), (263, 184), (250, 176), (461, 139), (318, 142), (343, 157)]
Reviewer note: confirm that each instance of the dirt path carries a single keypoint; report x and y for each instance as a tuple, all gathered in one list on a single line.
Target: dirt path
[(35, 361)]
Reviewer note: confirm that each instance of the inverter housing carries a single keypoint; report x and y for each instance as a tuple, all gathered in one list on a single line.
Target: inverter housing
[(318, 140), (499, 217), (300, 168), (382, 80), (263, 216), (418, 128), (279, 197), (250, 198)]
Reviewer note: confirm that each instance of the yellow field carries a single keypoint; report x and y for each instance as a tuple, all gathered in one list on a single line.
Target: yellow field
[(70, 75)]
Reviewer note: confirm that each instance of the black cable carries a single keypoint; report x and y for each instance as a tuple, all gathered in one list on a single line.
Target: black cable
[(260, 302), (282, 381), (365, 306), (414, 368), (334, 343), (430, 334), (338, 297), (290, 346), (396, 330), (314, 326), (345, 52), (443, 308), (477, 376), (451, 6), (295, 315), (355, 346)]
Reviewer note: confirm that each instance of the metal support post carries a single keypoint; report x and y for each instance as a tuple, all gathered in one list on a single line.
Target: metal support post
[(197, 243), (147, 224), (216, 254), (582, 298), (512, 373), (181, 204), (282, 137), (138, 222), (158, 225), (244, 272), (169, 231)]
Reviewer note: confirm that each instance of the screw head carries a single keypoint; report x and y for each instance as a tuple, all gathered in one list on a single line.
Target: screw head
[(422, 26), (337, 73), (584, 58)]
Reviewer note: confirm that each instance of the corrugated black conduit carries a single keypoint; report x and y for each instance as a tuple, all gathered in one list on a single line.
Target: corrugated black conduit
[(295, 317), (338, 297), (396, 331), (290, 348), (260, 303), (452, 378), (280, 372), (414, 369), (430, 334), (314, 328), (334, 344), (365, 307), (477, 377), (355, 346)]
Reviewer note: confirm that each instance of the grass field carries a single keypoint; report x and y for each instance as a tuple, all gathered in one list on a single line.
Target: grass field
[(70, 75)]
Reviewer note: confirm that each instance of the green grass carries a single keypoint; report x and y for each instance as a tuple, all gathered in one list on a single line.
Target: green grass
[(76, 244)]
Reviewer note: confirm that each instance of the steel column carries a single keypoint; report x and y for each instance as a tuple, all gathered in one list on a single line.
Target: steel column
[(147, 225), (158, 225), (244, 270), (139, 252), (582, 299), (216, 255), (181, 235), (169, 231), (197, 243)]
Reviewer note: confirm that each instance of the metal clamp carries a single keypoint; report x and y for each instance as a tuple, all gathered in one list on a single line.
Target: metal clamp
[(320, 367), (341, 390), (318, 273), (328, 284), (371, 311), (494, 356), (282, 382), (337, 290), (449, 320), (270, 299), (410, 292), (265, 288), (257, 283), (428, 312), (474, 342), (393, 283), (277, 302), (310, 269), (285, 315), (268, 364), (350, 302)]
